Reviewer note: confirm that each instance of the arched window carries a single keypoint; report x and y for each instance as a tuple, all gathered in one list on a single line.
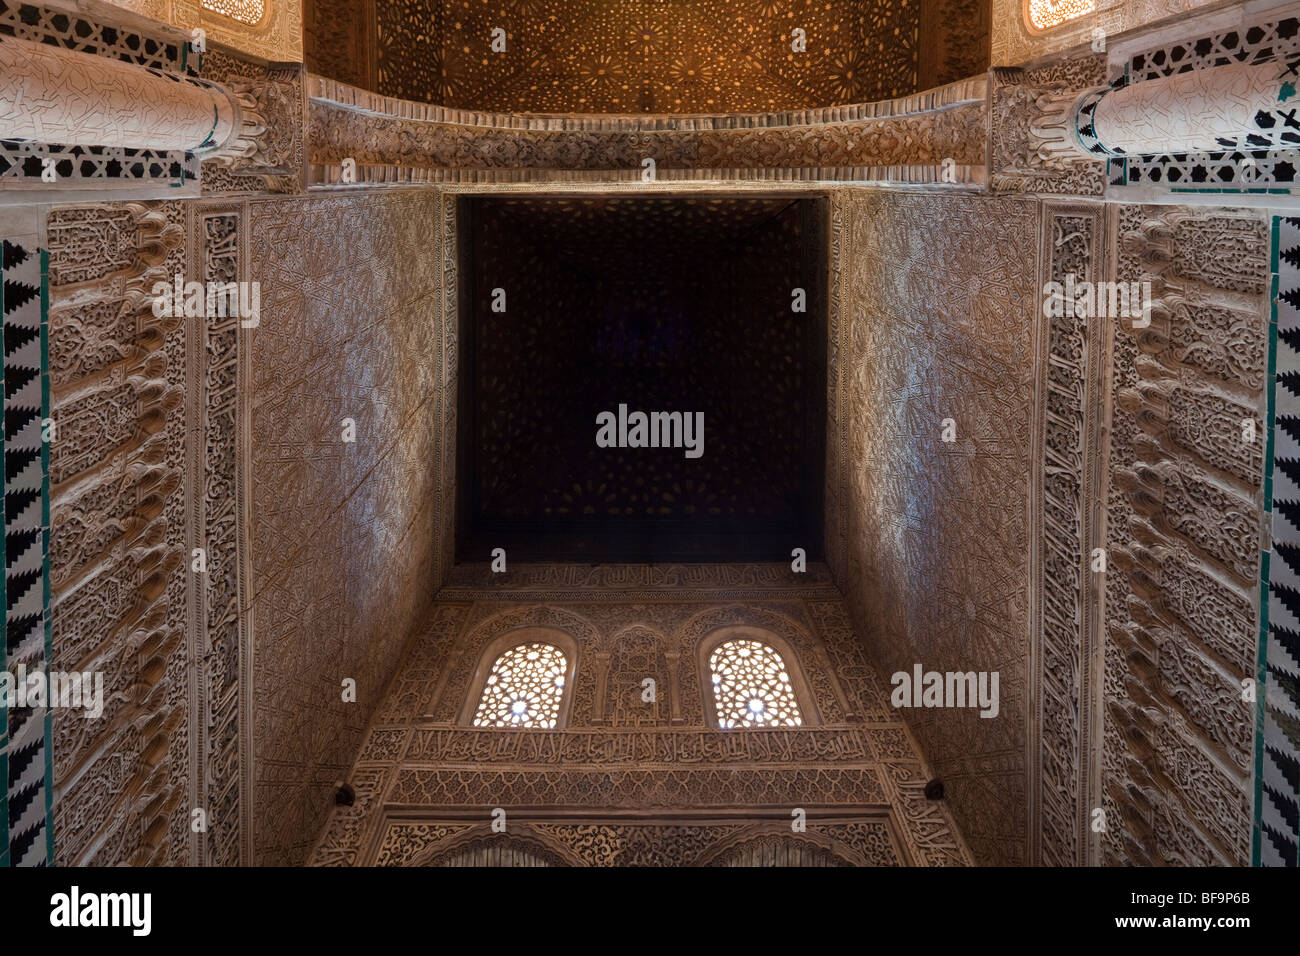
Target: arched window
[(1046, 14), (752, 686), (524, 688), (245, 11)]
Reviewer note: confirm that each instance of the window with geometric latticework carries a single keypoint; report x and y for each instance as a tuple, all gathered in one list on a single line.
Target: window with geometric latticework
[(1045, 14), (752, 686), (524, 688), (245, 11)]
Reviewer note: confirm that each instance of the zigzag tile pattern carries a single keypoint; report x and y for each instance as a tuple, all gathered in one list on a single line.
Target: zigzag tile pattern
[(1279, 806), (25, 760)]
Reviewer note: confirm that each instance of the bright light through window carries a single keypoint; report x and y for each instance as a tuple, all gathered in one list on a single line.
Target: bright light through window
[(245, 11), (751, 686), (524, 688), (1045, 14)]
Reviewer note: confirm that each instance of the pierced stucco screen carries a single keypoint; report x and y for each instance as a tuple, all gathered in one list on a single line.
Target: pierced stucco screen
[(1045, 14), (524, 688), (752, 686), (245, 11)]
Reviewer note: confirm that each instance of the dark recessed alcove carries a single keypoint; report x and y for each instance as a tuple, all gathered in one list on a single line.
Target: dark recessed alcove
[(663, 304)]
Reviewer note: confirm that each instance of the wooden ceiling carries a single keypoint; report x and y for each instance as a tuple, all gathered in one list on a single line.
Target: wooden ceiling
[(662, 304)]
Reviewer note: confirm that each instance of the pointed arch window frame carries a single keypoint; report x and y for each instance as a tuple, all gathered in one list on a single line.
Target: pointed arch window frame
[(809, 714), (508, 641)]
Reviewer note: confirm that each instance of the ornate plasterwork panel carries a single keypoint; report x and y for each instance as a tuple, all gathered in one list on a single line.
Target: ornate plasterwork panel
[(119, 377), (928, 539), (217, 410), (1015, 164), (426, 780), (278, 164), (147, 469), (395, 140), (1066, 589), (869, 841), (1183, 534), (345, 535)]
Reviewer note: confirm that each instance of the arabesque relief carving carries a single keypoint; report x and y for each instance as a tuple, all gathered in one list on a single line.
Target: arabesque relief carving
[(119, 522), (1183, 532), (601, 763), (330, 560)]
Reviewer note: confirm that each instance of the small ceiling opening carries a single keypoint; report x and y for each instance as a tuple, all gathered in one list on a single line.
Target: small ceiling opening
[(642, 378)]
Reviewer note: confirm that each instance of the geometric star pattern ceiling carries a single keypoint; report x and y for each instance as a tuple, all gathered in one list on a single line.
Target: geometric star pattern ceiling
[(647, 56), (662, 304)]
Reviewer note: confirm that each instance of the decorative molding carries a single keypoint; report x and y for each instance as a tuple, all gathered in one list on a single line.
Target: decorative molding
[(1070, 408), (862, 838), (218, 234), (1028, 140), (396, 141), (275, 148), (544, 582)]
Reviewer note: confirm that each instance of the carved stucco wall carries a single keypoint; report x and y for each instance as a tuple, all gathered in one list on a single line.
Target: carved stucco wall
[(1184, 528), (152, 459), (119, 533), (933, 318), (148, 465), (347, 539), (426, 782), (1122, 690), (429, 143)]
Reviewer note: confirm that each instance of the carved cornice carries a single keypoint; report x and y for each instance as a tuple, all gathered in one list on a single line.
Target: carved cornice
[(935, 137)]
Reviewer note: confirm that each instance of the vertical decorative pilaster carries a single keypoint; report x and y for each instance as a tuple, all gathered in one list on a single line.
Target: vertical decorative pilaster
[(601, 660), (1070, 398), (674, 691)]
